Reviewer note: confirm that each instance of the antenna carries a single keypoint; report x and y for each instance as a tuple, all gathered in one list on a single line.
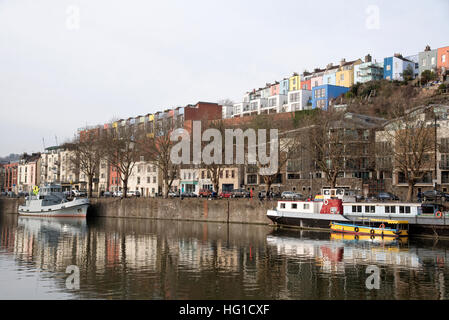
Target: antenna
[(43, 142), (56, 139)]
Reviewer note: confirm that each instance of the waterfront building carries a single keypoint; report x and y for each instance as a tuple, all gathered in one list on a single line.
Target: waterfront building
[(323, 95), (368, 71), (189, 180), (228, 111), (28, 172), (345, 74), (428, 60), (395, 66), (11, 171), (144, 178), (230, 178), (50, 165), (392, 175), (2, 177)]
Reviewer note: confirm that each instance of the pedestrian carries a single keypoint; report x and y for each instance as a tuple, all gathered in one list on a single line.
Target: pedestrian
[(419, 196)]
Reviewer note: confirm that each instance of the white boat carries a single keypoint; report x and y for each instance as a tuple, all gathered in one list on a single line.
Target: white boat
[(50, 201)]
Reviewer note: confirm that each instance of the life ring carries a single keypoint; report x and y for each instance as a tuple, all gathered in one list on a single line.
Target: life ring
[(326, 202), (371, 231), (356, 229), (438, 214), (372, 237), (382, 226)]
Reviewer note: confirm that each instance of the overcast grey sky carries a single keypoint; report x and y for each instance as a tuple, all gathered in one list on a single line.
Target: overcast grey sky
[(65, 64)]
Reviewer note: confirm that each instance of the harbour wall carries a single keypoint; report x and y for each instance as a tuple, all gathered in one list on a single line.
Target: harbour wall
[(197, 209)]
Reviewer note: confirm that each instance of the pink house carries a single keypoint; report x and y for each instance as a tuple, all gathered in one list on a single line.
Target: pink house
[(274, 89), (317, 78)]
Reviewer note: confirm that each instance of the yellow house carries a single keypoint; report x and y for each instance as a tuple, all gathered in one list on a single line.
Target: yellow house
[(294, 82), (345, 74)]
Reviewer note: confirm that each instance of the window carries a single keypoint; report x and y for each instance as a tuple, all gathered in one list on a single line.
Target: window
[(370, 209), (282, 205), (232, 174), (356, 208), (154, 179), (148, 179), (443, 58), (138, 180), (306, 206), (294, 206), (342, 77), (423, 62), (433, 60), (404, 209)]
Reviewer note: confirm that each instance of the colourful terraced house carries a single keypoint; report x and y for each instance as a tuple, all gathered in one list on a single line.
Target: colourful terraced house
[(345, 74), (294, 82)]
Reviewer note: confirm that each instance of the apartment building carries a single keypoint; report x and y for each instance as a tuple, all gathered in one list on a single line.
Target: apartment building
[(28, 172), (145, 179)]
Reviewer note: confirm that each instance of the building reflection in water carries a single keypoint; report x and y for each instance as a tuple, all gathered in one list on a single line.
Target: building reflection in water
[(147, 259)]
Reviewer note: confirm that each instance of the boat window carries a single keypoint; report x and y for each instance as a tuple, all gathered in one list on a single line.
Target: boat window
[(356, 208), (294, 206), (401, 209), (306, 206), (282, 205), (393, 209), (407, 209)]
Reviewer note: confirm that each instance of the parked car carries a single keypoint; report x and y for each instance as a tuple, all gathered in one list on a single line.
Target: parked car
[(133, 193), (118, 194), (288, 195), (240, 193), (386, 196), (433, 195), (189, 195), (107, 194), (173, 194), (205, 193), (4, 194), (79, 193), (225, 194), (23, 194), (12, 194)]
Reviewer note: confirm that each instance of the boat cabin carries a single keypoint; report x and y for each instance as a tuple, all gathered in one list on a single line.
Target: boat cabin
[(382, 209)]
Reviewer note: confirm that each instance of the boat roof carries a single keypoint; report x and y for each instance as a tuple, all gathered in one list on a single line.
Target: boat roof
[(389, 221), (382, 204)]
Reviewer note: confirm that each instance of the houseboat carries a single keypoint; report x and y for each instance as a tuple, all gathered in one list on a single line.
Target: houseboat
[(50, 201), (331, 209)]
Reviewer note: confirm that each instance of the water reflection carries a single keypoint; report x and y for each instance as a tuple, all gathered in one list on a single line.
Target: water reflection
[(147, 259)]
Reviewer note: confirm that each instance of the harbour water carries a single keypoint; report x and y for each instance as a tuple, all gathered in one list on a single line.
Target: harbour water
[(155, 259)]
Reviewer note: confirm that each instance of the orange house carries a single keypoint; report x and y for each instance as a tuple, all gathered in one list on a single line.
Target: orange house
[(443, 58)]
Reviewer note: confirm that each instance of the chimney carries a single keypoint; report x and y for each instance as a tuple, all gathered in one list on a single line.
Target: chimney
[(342, 62), (427, 48), (398, 55), (316, 70), (330, 65), (368, 58)]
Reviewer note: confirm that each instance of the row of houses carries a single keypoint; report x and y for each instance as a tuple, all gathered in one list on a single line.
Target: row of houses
[(319, 88), (364, 169)]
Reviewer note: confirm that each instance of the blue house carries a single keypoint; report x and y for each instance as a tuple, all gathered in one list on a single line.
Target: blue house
[(395, 66), (284, 86), (321, 95)]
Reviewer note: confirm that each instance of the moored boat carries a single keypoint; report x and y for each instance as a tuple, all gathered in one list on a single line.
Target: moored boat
[(375, 227), (50, 201)]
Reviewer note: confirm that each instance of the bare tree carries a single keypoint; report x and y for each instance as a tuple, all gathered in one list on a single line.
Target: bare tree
[(408, 142), (122, 151), (86, 154), (156, 148)]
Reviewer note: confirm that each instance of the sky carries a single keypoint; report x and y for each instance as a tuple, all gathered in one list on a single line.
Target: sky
[(66, 64)]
